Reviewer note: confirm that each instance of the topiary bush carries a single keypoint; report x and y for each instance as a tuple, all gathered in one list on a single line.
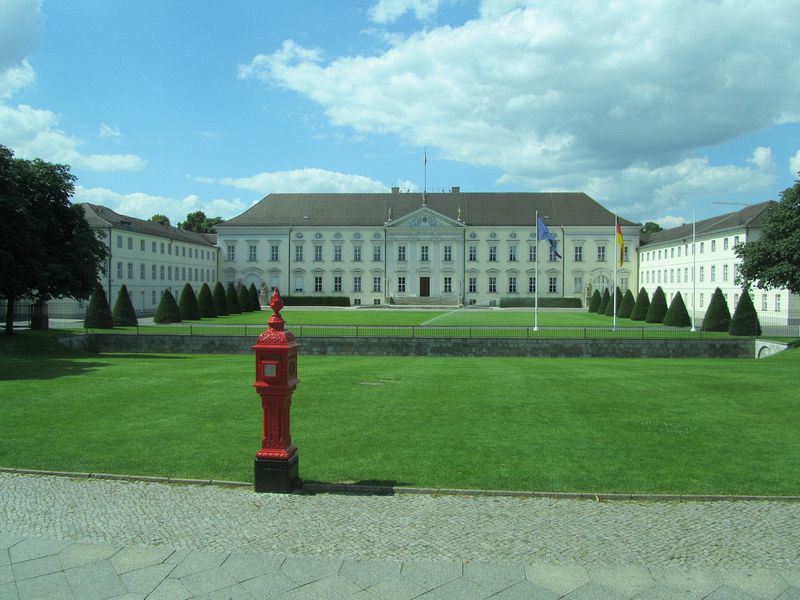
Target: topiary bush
[(612, 305), (232, 300), (189, 307), (124, 314), (98, 313), (255, 303), (220, 302), (594, 303), (718, 317), (244, 298), (745, 318), (658, 307), (641, 306), (626, 308), (168, 310), (677, 315), (205, 302), (604, 300)]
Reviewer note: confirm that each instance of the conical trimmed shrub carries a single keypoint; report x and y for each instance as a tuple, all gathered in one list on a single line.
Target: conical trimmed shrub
[(244, 299), (611, 304), (124, 314), (677, 315), (255, 303), (190, 309), (167, 311), (205, 301), (98, 313), (626, 308), (604, 300), (220, 302), (718, 316), (594, 303), (658, 307), (745, 319), (641, 306), (232, 300)]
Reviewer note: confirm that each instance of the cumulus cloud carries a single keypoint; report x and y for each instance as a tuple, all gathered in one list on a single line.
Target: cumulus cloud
[(20, 22), (34, 133), (107, 131), (15, 78), (550, 91), (302, 180), (388, 11)]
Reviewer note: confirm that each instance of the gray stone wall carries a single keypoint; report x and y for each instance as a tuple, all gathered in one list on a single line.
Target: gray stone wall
[(567, 348)]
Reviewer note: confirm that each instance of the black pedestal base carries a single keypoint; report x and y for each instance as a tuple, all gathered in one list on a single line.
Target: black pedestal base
[(277, 475)]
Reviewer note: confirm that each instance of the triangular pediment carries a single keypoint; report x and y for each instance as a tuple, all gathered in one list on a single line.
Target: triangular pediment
[(424, 216)]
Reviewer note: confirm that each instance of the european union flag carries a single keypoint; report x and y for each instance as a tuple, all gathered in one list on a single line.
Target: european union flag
[(543, 233)]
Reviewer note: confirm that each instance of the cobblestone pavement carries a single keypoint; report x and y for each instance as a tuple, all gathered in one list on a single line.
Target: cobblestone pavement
[(95, 538)]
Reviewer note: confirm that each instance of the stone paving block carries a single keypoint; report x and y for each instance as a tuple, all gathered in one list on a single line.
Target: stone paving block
[(95, 581), (461, 589), (791, 593), (334, 587), (592, 591), (5, 559), (6, 574), (130, 596), (268, 586), (248, 566), (8, 591), (76, 555), (6, 541), (233, 592), (662, 592), (204, 582), (305, 569), (561, 580), (628, 581), (132, 558), (692, 582), (725, 592), (367, 573), (399, 588), (432, 574), (177, 556), (197, 561), (52, 587), (170, 589), (37, 567), (31, 548), (757, 582), (525, 590), (494, 577), (144, 581)]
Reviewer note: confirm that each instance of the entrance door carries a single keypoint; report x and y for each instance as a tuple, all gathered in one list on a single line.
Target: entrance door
[(425, 286)]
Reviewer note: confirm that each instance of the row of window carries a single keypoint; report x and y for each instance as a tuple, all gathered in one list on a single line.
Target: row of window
[(447, 284), (655, 276), (685, 249), (165, 273), (167, 248)]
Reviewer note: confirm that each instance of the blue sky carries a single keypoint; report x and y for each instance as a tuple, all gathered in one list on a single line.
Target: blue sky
[(656, 108)]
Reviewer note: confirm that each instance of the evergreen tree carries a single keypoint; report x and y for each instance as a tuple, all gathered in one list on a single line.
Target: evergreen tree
[(255, 303), (745, 319), (232, 300), (626, 308), (124, 314), (718, 316), (206, 302), (220, 300), (658, 307), (610, 307), (244, 298), (641, 307), (604, 300), (167, 311), (190, 309), (594, 303), (677, 315), (98, 314)]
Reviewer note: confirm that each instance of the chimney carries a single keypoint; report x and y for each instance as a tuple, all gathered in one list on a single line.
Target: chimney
[(395, 190), (455, 190)]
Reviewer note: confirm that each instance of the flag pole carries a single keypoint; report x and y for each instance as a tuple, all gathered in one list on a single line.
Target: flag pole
[(694, 265), (617, 256), (536, 280)]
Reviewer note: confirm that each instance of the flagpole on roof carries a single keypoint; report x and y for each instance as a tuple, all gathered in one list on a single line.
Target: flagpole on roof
[(536, 280)]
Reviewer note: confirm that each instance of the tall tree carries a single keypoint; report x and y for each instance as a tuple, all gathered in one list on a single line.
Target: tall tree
[(48, 249), (773, 260), (651, 227), (163, 219), (200, 223)]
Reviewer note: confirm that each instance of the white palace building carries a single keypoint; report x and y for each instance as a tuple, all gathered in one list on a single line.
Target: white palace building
[(434, 248)]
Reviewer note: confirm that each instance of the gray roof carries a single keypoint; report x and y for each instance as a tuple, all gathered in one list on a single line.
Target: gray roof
[(100, 217), (749, 216), (507, 208)]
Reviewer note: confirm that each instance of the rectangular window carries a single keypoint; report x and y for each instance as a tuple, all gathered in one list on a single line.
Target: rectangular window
[(473, 285), (679, 251), (724, 272), (119, 241), (492, 253), (252, 253), (777, 303), (119, 270), (552, 285), (317, 252), (153, 273), (337, 253), (531, 285), (512, 285), (724, 243), (601, 254), (735, 300), (161, 273), (473, 253), (130, 243), (702, 247), (672, 252), (190, 273), (672, 275), (448, 285), (532, 253), (678, 275), (183, 250), (764, 302), (552, 257), (492, 285), (153, 298), (702, 273), (169, 272), (141, 245), (356, 253), (130, 270), (625, 254), (512, 254), (299, 283), (702, 298), (162, 247), (713, 245), (713, 272), (231, 253), (686, 274), (401, 254), (448, 254), (659, 255), (376, 254), (142, 271), (273, 252), (736, 240), (578, 253), (298, 253), (183, 273), (376, 284), (423, 253), (153, 248), (401, 284), (337, 283), (578, 284), (357, 283), (317, 283), (735, 271)]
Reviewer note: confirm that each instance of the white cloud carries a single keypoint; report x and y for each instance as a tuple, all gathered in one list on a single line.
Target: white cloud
[(34, 133), (107, 131), (20, 22), (144, 206), (15, 78), (794, 165), (622, 94), (668, 222), (388, 11), (302, 180)]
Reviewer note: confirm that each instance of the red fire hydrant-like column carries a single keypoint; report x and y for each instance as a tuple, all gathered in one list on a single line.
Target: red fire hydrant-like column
[(276, 464)]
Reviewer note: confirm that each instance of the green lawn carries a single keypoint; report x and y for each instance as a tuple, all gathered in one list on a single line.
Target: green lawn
[(602, 425)]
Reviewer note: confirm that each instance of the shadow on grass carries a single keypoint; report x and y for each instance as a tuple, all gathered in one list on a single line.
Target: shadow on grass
[(365, 487), (46, 367)]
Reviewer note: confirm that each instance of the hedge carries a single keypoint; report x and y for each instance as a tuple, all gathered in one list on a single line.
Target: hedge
[(232, 300), (626, 308), (255, 303), (124, 315), (244, 298), (98, 313), (188, 305), (205, 302), (677, 315), (167, 311), (594, 302), (315, 301), (220, 303), (543, 302), (658, 307), (745, 319), (641, 306), (718, 316)]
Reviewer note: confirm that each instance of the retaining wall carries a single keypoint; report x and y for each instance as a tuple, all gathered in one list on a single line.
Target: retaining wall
[(342, 346)]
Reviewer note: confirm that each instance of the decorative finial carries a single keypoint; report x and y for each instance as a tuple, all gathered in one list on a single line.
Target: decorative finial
[(276, 322), (460, 217), (390, 214), (424, 199)]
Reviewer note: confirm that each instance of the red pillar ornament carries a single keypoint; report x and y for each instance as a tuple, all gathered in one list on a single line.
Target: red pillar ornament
[(277, 462)]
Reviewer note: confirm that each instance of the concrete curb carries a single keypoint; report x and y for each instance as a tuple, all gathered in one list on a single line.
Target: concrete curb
[(377, 490)]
